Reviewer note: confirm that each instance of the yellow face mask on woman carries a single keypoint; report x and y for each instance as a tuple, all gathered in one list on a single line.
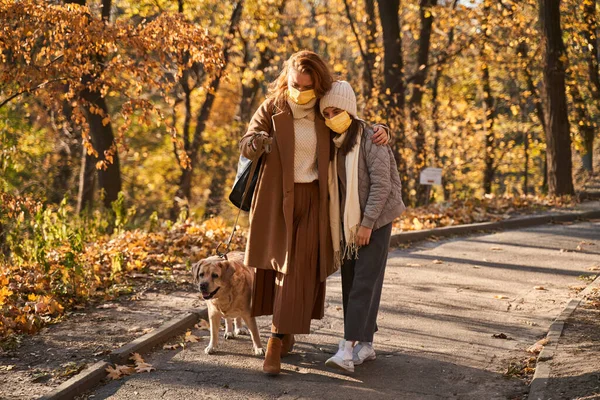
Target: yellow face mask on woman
[(340, 123), (299, 97)]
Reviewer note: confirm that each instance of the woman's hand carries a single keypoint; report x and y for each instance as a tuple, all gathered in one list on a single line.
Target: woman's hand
[(261, 141), (363, 237), (380, 136)]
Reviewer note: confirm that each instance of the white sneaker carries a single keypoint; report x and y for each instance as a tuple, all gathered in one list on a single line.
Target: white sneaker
[(338, 361), (363, 352)]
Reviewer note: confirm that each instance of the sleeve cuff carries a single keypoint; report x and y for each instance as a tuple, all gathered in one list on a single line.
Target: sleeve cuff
[(367, 222)]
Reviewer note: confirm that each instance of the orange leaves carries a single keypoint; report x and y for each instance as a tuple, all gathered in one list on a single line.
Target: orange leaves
[(191, 338), (119, 371), (52, 46), (470, 211), (33, 293)]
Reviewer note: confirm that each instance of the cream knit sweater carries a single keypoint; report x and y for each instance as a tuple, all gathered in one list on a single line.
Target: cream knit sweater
[(305, 147)]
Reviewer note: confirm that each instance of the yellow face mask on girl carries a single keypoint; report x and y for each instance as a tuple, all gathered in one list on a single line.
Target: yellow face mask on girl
[(299, 97), (340, 123)]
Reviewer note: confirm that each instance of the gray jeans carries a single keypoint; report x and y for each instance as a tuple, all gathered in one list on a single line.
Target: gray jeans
[(362, 280)]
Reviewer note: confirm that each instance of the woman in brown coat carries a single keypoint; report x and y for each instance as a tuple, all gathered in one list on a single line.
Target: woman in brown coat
[(289, 240)]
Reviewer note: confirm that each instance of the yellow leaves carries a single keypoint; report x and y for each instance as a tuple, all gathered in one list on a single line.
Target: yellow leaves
[(417, 224), (4, 293)]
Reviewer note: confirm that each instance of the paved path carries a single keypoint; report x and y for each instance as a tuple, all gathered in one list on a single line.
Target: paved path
[(438, 314)]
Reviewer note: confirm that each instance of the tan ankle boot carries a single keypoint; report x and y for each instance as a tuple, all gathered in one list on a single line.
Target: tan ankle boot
[(287, 344), (272, 364)]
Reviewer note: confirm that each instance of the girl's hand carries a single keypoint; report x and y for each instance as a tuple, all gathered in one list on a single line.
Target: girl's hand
[(380, 136), (363, 237)]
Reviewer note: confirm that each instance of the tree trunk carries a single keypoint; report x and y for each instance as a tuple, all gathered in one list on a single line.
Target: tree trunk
[(217, 190), (62, 178), (367, 58), (558, 139), (490, 140), (103, 140), (489, 106), (585, 126), (370, 49), (591, 27), (393, 65), (185, 181), (418, 88), (109, 179), (539, 111), (87, 181)]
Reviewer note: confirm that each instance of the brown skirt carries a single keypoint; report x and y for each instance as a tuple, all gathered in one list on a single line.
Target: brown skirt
[(295, 298)]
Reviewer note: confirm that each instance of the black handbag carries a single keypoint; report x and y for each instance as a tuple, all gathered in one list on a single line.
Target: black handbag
[(245, 182)]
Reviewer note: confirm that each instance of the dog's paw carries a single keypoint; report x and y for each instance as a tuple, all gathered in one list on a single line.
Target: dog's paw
[(259, 351), (210, 349), (241, 331), (229, 335)]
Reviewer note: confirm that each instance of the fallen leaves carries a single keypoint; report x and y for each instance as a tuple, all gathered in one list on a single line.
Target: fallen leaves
[(203, 324), (140, 364), (33, 294), (501, 336), (538, 346), (458, 212), (119, 371), (168, 346), (521, 369), (191, 338)]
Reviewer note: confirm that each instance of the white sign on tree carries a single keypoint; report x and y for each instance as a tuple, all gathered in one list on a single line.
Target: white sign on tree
[(431, 176)]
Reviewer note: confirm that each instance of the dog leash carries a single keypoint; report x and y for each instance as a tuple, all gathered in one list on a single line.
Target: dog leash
[(223, 255)]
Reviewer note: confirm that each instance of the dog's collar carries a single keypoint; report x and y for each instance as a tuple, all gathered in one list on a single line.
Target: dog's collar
[(211, 294)]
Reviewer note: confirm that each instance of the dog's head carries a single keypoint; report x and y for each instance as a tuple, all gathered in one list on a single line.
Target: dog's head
[(211, 274)]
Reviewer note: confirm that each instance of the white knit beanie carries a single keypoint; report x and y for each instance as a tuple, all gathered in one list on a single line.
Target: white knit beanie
[(340, 96)]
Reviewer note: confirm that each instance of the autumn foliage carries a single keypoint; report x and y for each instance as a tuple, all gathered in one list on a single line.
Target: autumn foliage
[(58, 264)]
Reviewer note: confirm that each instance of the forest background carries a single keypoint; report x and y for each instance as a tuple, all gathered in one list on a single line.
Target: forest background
[(119, 121)]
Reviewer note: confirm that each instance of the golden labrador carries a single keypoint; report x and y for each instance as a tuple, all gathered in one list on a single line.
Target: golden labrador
[(226, 286)]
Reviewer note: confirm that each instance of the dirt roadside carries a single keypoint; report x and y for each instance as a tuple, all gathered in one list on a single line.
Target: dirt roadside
[(36, 364), (575, 369)]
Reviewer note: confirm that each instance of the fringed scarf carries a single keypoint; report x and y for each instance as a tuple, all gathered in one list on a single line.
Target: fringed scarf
[(346, 247)]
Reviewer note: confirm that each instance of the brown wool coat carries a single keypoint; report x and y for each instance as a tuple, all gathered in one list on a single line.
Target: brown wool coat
[(271, 214)]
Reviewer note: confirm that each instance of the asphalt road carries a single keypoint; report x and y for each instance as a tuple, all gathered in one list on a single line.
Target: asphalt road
[(442, 303)]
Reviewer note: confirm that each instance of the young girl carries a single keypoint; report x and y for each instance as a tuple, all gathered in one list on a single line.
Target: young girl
[(365, 193)]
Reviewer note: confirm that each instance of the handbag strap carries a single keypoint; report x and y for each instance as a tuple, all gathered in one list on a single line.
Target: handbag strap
[(228, 243)]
